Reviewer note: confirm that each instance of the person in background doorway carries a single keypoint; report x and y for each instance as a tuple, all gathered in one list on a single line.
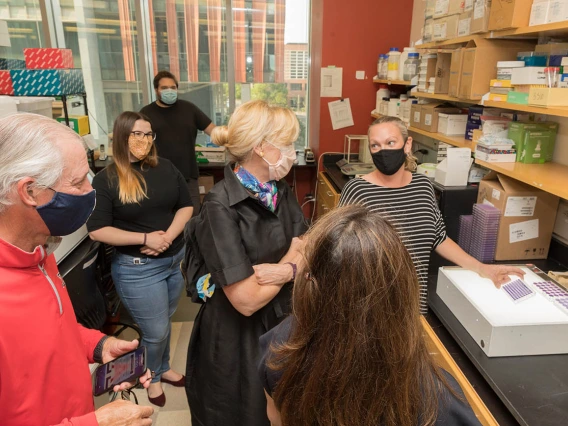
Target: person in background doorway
[(247, 234), (409, 202), (353, 353), (44, 353), (176, 123), (142, 207)]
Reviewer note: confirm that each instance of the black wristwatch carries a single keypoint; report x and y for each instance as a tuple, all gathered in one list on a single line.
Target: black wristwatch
[(98, 353), (294, 269)]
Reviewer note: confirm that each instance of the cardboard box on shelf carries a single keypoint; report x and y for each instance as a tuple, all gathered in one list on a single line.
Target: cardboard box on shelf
[(441, 8), (498, 97), (455, 73), (495, 154), (439, 29), (480, 16), (452, 23), (430, 8), (528, 76), (428, 31), (78, 123), (455, 7), (452, 124), (464, 24), (415, 112), (54, 82), (509, 14), (214, 155), (527, 217), (205, 184), (544, 96), (48, 58), (518, 98), (480, 58), (443, 66), (454, 169), (519, 129), (557, 11), (6, 86), (429, 115), (539, 12), (536, 147)]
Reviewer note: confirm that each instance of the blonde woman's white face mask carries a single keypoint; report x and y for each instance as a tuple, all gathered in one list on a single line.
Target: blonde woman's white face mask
[(281, 168)]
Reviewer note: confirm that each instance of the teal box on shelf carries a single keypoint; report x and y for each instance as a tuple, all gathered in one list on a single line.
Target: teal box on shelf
[(12, 64), (54, 82)]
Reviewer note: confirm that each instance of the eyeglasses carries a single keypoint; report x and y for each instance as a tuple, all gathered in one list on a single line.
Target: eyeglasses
[(142, 135)]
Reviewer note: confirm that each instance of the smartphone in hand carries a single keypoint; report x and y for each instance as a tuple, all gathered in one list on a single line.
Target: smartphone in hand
[(125, 368)]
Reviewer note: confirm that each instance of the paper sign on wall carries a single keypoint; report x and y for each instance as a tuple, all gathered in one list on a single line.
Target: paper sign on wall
[(520, 206), (341, 115), (331, 82), (523, 231)]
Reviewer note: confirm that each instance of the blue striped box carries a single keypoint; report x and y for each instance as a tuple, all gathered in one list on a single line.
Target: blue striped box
[(12, 64), (54, 82)]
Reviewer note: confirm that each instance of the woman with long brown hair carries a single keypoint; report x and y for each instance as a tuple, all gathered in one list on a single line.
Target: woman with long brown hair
[(143, 204), (352, 352)]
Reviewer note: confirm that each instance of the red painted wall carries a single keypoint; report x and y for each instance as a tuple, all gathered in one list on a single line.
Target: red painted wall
[(355, 32)]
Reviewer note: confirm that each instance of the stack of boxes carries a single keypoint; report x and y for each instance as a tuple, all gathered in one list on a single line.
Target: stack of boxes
[(446, 19), (44, 72)]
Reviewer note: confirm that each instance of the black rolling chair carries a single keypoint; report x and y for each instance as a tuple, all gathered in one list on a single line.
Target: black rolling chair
[(91, 289)]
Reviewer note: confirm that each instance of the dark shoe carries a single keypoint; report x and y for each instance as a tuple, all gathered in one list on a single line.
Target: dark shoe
[(160, 400), (178, 384)]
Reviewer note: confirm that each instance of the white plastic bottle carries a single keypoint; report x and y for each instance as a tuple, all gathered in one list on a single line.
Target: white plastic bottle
[(394, 105), (383, 92), (394, 60), (402, 60)]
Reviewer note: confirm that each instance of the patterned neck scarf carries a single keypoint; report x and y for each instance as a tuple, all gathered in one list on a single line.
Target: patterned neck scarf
[(266, 193)]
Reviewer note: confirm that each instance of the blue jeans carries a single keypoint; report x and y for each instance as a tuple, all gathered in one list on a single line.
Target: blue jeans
[(150, 289)]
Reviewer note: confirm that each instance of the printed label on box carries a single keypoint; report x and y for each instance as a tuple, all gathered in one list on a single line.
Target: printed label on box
[(496, 194), (201, 189), (479, 9), (442, 7), (417, 117), (428, 119), (520, 206), (468, 5), (523, 231), (464, 27)]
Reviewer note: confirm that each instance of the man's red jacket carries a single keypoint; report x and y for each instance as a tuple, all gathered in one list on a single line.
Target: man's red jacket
[(44, 352)]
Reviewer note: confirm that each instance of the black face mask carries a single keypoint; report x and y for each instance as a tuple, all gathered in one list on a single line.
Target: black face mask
[(389, 161)]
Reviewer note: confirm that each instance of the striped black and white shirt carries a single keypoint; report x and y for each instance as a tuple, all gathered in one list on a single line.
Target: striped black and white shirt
[(413, 212)]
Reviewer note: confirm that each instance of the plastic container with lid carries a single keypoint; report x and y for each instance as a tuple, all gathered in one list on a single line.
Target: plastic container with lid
[(505, 68), (552, 76), (394, 105), (533, 59), (383, 92), (394, 59), (383, 67), (411, 66), (403, 57)]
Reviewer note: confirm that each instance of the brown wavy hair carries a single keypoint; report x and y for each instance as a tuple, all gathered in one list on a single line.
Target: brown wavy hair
[(131, 184), (356, 355)]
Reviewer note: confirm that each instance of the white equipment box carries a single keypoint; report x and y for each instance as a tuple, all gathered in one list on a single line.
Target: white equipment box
[(501, 327)]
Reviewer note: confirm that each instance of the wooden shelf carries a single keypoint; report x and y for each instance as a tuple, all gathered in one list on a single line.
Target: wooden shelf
[(550, 177), (395, 82), (376, 114), (553, 30), (443, 97), (555, 111), (458, 141)]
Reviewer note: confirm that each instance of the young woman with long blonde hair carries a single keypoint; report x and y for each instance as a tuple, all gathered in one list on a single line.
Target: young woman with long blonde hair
[(143, 204)]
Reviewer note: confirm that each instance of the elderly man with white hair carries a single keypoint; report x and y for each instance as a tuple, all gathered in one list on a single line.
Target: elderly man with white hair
[(44, 352)]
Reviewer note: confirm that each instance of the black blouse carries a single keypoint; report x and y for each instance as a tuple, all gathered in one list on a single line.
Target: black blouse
[(233, 232)]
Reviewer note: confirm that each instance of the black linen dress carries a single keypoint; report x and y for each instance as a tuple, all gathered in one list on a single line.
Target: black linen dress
[(234, 232)]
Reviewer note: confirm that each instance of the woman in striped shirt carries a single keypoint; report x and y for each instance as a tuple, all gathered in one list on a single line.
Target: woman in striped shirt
[(408, 200)]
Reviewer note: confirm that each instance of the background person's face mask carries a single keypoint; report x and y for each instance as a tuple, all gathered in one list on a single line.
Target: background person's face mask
[(66, 213), (389, 161), (169, 96), (281, 168), (139, 148)]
